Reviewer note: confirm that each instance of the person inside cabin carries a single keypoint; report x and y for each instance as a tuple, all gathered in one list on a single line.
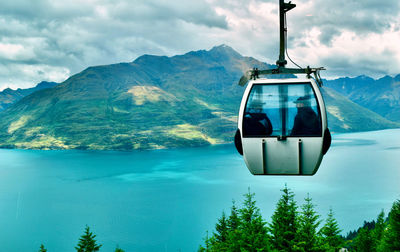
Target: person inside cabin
[(256, 122), (306, 122)]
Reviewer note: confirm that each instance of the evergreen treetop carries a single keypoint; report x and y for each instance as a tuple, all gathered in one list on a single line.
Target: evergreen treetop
[(243, 230), (233, 220), (42, 248), (118, 249), (378, 231), (331, 239), (364, 241), (284, 223), (221, 228), (391, 237), (234, 223), (253, 232), (87, 243), (308, 226)]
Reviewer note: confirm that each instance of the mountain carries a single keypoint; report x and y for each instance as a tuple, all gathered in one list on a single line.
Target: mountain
[(347, 116), (152, 102), (381, 96), (9, 96)]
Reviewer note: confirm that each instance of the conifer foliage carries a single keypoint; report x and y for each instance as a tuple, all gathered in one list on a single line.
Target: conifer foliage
[(308, 227), (42, 248), (252, 229), (391, 236), (118, 249), (289, 230), (233, 230), (243, 230), (87, 243), (331, 239), (284, 222), (382, 235), (378, 231), (364, 241)]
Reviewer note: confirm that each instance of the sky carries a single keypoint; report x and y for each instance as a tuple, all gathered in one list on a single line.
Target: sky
[(50, 40)]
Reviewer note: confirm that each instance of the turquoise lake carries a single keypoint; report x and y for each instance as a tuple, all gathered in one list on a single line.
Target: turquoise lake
[(166, 200)]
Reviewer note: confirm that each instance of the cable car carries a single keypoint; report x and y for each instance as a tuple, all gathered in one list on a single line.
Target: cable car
[(282, 127)]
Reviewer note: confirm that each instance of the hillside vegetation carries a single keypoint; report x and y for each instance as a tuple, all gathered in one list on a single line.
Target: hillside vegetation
[(151, 103)]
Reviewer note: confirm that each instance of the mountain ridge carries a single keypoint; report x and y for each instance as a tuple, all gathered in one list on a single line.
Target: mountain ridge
[(10, 96), (381, 95), (152, 102)]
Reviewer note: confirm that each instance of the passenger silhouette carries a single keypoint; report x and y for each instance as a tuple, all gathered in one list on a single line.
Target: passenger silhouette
[(257, 124), (255, 121), (306, 122)]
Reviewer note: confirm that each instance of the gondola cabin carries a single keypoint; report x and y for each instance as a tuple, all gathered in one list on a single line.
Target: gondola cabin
[(282, 127)]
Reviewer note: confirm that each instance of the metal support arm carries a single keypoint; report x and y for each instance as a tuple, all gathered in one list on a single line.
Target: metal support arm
[(255, 73)]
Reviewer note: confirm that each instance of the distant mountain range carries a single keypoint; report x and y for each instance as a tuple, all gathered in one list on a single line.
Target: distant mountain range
[(381, 96), (154, 102), (9, 96)]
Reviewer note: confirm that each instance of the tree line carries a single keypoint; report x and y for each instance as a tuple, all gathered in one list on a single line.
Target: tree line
[(380, 235), (294, 228), (86, 243)]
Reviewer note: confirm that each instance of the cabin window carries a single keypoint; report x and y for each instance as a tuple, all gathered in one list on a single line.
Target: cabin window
[(282, 110)]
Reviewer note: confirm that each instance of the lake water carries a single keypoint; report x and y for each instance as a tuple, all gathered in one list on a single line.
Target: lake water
[(166, 200)]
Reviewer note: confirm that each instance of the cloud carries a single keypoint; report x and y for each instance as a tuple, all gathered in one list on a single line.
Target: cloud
[(347, 37), (362, 17), (373, 55), (362, 35), (77, 34), (17, 75), (358, 34), (196, 12), (15, 52)]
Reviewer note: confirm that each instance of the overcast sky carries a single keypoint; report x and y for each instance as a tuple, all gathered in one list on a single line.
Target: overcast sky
[(53, 39)]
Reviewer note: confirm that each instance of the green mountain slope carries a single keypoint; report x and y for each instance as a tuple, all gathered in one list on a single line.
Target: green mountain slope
[(152, 102)]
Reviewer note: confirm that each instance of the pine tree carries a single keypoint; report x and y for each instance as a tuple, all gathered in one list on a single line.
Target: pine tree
[(233, 229), (364, 241), (87, 243), (118, 249), (206, 243), (331, 240), (222, 229), (379, 230), (392, 234), (233, 221), (253, 232), (308, 225), (243, 230), (284, 223), (219, 241), (226, 237), (42, 248)]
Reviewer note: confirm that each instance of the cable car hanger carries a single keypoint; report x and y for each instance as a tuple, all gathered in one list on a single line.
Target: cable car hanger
[(281, 62)]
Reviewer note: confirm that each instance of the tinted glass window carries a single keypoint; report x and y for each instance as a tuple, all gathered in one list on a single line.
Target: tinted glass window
[(282, 110)]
